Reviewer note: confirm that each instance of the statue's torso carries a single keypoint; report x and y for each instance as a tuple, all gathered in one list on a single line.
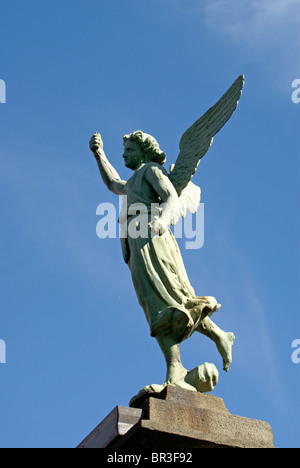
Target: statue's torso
[(139, 190)]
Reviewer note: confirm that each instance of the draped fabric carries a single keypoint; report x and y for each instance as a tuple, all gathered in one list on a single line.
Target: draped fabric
[(158, 273)]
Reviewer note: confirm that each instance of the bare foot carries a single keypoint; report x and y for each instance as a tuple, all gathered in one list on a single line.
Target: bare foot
[(176, 376), (224, 344)]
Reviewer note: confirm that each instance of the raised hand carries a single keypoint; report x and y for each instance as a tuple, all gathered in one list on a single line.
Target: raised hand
[(96, 143)]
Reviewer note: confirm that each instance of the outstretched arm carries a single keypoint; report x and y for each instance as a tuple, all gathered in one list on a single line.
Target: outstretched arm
[(108, 173)]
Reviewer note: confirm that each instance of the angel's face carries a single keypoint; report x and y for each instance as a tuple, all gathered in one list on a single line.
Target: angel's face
[(133, 154)]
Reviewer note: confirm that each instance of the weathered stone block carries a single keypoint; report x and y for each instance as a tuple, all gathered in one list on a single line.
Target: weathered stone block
[(178, 418)]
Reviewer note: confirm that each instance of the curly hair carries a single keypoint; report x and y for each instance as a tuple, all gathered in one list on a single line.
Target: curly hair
[(149, 146)]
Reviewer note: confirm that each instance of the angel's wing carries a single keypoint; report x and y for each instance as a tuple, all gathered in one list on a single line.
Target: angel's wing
[(197, 140), (189, 200)]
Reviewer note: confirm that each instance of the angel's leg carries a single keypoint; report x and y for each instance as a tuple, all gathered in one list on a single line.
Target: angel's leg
[(171, 351), (224, 341)]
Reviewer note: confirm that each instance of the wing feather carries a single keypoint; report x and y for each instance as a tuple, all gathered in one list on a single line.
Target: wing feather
[(197, 140)]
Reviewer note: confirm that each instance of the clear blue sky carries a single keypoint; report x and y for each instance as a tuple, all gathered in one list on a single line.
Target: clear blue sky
[(77, 341)]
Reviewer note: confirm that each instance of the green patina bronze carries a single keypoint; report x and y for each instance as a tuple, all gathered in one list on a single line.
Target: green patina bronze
[(172, 308)]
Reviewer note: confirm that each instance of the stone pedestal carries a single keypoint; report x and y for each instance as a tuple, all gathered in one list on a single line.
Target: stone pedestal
[(178, 419)]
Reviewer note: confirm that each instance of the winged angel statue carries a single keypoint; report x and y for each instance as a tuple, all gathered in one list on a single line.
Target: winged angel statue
[(172, 308)]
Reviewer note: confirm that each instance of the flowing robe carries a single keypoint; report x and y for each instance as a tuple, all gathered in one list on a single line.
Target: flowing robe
[(158, 273)]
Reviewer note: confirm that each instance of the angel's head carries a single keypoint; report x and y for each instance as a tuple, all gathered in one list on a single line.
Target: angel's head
[(141, 148)]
